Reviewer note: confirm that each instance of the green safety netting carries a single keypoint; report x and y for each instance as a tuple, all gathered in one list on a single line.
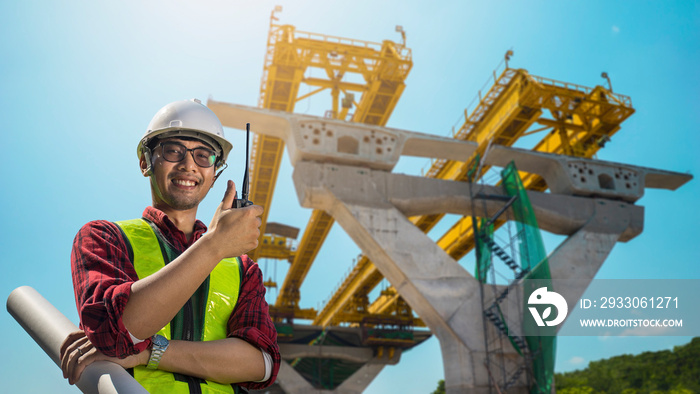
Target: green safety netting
[(533, 257)]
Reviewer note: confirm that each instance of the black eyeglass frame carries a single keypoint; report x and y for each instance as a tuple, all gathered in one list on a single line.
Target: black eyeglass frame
[(192, 152)]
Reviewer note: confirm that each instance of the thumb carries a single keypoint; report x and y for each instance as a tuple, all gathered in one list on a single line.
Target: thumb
[(229, 195)]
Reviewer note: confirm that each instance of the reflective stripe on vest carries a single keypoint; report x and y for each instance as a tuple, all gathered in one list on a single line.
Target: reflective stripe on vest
[(224, 285)]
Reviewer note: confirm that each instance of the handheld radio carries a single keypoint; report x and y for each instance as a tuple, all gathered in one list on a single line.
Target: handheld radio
[(243, 201)]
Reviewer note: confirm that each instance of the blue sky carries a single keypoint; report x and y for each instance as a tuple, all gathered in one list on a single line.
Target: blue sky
[(80, 81)]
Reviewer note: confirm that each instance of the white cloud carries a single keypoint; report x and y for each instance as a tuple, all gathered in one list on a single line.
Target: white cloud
[(615, 29), (576, 360), (604, 337)]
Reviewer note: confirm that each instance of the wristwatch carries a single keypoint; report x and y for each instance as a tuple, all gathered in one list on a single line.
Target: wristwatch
[(160, 344)]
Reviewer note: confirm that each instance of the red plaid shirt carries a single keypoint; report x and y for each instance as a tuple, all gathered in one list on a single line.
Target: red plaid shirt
[(102, 279)]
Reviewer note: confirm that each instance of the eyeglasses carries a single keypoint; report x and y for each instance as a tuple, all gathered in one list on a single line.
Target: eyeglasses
[(175, 152)]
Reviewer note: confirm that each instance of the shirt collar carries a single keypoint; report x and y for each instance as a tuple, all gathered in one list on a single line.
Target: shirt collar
[(170, 230)]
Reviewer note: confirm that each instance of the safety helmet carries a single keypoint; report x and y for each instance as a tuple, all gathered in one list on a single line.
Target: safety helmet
[(186, 118)]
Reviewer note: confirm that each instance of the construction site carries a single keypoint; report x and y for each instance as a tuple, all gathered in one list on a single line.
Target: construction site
[(521, 160), (343, 163)]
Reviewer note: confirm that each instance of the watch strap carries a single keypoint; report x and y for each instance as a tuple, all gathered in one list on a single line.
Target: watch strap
[(159, 345)]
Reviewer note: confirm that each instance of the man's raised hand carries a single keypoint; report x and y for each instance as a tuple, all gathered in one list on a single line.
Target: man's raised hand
[(226, 203), (235, 231)]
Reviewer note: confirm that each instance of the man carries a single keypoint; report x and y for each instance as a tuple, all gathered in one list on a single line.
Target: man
[(183, 310)]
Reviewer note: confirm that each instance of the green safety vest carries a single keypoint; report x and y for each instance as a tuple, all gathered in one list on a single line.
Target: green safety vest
[(150, 252)]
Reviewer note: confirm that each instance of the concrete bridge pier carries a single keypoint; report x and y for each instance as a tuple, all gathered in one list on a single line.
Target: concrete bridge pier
[(441, 292)]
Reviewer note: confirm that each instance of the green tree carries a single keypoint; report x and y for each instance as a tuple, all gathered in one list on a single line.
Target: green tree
[(674, 371), (440, 388), (576, 390)]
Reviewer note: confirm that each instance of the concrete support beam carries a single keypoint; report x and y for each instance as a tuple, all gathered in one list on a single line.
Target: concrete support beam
[(587, 177), (413, 195), (335, 141)]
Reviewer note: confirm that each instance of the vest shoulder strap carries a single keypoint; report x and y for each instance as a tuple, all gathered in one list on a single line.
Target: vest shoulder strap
[(144, 246)]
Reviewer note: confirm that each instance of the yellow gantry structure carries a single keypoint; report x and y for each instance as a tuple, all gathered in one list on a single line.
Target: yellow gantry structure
[(580, 121), (374, 71), (574, 120)]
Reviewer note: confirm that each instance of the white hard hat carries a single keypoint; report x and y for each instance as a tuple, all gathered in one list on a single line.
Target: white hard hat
[(187, 118)]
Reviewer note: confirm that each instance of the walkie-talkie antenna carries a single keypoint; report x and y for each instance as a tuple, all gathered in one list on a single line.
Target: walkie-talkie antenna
[(244, 202), (244, 192)]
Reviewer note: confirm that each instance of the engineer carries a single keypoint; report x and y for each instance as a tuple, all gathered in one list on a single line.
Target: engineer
[(180, 307)]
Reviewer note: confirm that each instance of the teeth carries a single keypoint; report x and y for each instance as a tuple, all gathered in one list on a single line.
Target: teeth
[(184, 182)]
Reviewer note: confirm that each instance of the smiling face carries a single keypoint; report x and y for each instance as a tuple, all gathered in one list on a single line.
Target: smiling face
[(179, 186)]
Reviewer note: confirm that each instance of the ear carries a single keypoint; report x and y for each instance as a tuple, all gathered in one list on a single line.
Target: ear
[(145, 164)]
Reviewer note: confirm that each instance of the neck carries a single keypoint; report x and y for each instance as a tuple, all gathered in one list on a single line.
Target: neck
[(183, 219)]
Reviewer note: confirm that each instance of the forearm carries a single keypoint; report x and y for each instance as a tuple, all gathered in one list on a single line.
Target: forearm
[(229, 360), (155, 300)]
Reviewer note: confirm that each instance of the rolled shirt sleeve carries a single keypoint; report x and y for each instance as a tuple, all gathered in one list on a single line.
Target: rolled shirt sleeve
[(102, 278), (251, 320)]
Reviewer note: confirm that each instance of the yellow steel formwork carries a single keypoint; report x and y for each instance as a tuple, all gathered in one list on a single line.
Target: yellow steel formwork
[(594, 115), (582, 119), (314, 235), (265, 158), (382, 68), (276, 247), (278, 90), (363, 278)]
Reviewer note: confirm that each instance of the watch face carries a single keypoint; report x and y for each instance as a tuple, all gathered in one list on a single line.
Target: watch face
[(160, 340)]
